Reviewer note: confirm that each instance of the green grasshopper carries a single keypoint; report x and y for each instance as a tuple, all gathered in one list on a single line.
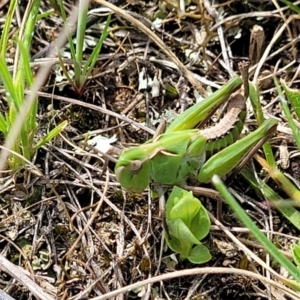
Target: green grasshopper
[(181, 152)]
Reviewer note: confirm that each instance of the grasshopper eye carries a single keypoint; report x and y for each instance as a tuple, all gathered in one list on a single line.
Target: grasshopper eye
[(135, 166)]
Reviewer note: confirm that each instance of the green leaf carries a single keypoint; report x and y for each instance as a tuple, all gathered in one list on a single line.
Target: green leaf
[(173, 243), (171, 202), (183, 205), (186, 209), (188, 222), (178, 229), (200, 225), (179, 245), (199, 255), (176, 195)]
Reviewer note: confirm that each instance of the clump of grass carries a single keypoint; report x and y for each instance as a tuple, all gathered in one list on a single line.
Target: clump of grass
[(15, 85), (22, 77), (82, 71)]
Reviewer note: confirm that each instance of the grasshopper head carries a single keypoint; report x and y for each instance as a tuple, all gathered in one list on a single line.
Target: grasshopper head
[(133, 170)]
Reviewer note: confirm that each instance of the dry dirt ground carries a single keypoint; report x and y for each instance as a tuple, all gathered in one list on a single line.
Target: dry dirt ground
[(69, 225)]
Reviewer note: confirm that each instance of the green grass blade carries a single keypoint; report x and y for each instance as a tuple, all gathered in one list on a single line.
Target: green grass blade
[(26, 63), (26, 41), (293, 97), (7, 25), (285, 184), (285, 207), (8, 84), (255, 101), (288, 114), (291, 6), (3, 125), (61, 63), (81, 26), (246, 220), (70, 40), (46, 14), (30, 24), (89, 65), (51, 135), (26, 140), (72, 48)]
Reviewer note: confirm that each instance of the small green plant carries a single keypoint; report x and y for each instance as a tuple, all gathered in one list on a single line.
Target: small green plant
[(15, 85), (82, 72), (188, 223)]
